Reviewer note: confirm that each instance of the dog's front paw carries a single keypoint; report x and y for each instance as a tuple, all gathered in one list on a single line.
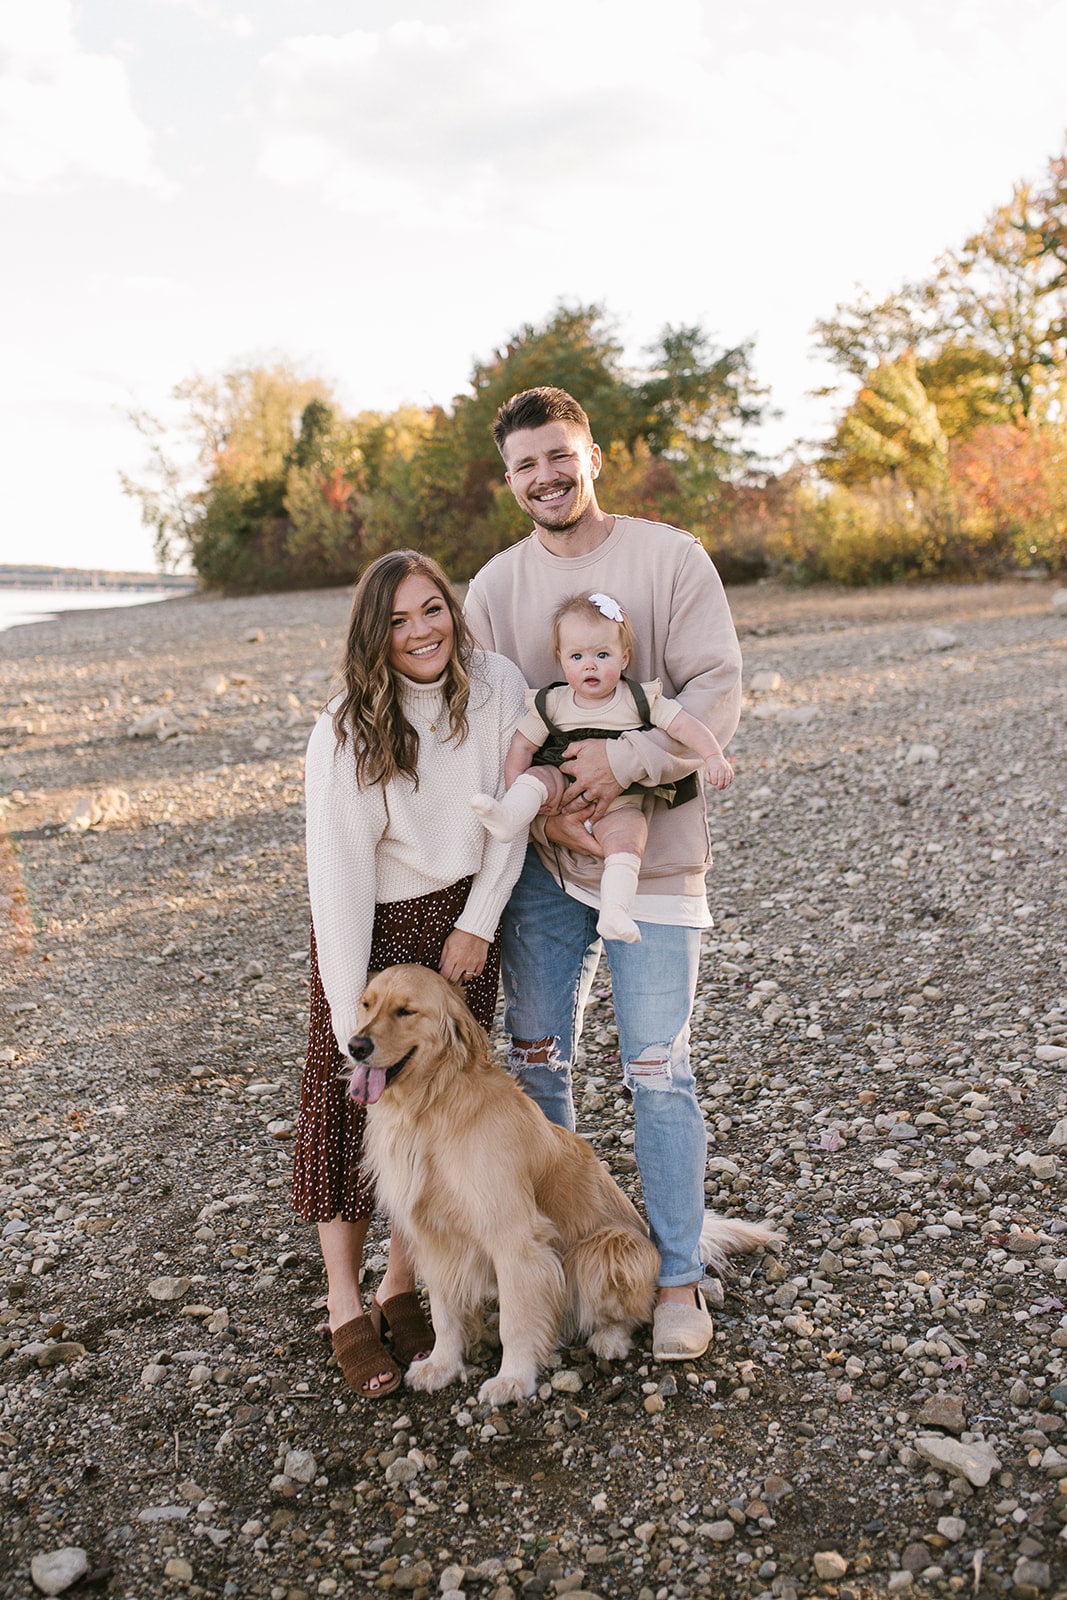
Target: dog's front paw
[(611, 1342), (502, 1390), (431, 1375)]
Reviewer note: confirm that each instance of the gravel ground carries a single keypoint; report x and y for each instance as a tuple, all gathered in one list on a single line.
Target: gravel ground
[(882, 1036)]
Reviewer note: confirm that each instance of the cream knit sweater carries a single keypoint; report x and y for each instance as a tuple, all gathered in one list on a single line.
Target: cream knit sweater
[(395, 841)]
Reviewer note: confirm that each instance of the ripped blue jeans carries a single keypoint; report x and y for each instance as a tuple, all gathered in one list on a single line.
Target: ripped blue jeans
[(550, 954)]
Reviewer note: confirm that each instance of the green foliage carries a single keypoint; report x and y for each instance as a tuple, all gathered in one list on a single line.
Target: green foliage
[(892, 431), (674, 427), (257, 485), (881, 533)]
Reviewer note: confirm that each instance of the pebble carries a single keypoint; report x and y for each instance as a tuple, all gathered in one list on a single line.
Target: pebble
[(63, 1354), (718, 1532), (168, 1288), (567, 1381), (300, 1466), (943, 1411), (55, 1570), (975, 1461)]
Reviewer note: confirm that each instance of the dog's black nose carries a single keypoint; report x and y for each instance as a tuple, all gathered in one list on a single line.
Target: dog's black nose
[(360, 1047)]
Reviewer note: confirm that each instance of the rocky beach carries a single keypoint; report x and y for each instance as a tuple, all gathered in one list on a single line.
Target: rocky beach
[(881, 1037)]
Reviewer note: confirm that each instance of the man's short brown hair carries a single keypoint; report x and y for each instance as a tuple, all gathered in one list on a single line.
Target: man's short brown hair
[(532, 408)]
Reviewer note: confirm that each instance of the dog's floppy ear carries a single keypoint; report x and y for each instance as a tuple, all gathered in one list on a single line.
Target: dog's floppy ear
[(460, 1030)]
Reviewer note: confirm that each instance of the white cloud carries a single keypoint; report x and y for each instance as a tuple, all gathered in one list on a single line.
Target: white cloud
[(240, 26), (65, 113), (477, 118)]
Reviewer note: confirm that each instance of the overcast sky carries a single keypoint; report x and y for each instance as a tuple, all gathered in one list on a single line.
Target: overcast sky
[(382, 192)]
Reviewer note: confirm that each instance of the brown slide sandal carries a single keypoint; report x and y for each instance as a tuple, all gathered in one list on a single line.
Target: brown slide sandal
[(362, 1357), (405, 1321)]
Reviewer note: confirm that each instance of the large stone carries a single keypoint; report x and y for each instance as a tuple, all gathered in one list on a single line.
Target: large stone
[(55, 1570), (168, 1288), (943, 1411), (63, 1354), (1031, 1577), (300, 1466), (976, 1461), (96, 810)]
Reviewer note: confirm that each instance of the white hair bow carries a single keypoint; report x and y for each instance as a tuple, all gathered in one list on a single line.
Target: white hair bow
[(607, 606)]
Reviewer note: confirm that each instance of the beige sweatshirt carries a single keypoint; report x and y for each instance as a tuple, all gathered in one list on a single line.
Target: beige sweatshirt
[(665, 581)]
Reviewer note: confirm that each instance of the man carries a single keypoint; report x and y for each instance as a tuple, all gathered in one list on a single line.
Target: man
[(672, 594)]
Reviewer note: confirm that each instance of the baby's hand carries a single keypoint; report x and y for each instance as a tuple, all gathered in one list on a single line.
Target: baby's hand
[(719, 771)]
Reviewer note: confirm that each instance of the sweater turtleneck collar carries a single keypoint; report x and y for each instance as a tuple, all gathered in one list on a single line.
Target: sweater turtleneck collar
[(422, 695)]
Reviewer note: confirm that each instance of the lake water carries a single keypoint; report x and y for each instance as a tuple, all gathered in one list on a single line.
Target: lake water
[(43, 605)]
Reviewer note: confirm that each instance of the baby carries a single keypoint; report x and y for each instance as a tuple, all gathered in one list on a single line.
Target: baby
[(594, 644)]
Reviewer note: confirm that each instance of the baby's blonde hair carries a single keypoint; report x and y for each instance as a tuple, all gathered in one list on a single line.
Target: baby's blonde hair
[(580, 605)]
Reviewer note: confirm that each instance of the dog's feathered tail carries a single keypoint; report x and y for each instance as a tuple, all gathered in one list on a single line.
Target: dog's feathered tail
[(721, 1237)]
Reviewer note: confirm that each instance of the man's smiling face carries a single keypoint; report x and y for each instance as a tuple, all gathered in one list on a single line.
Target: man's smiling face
[(551, 471)]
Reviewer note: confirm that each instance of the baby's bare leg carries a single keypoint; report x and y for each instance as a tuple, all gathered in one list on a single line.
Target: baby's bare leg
[(555, 785), (623, 830), (623, 834)]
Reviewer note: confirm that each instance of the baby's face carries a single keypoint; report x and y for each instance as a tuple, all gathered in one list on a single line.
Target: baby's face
[(591, 656)]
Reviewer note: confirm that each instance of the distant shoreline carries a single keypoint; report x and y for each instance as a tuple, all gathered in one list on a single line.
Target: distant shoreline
[(25, 607), (25, 576)]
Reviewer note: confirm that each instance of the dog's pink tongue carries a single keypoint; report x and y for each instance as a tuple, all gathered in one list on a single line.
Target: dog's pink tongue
[(366, 1084)]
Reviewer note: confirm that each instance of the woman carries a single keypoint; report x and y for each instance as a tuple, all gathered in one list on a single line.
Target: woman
[(399, 869)]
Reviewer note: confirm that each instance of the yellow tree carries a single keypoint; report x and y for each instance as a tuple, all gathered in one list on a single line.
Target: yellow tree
[(891, 431)]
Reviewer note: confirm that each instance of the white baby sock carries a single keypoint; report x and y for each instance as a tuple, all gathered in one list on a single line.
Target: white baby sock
[(506, 818), (618, 885)]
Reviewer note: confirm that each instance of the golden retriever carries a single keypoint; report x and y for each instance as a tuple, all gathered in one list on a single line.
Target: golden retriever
[(492, 1198)]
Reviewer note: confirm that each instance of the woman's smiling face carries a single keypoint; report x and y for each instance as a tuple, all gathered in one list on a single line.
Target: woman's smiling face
[(422, 632)]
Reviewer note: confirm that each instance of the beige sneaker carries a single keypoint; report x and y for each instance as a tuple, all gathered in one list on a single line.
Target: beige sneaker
[(681, 1333)]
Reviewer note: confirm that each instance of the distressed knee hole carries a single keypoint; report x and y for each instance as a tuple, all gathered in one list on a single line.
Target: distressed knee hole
[(650, 1070), (526, 1053)]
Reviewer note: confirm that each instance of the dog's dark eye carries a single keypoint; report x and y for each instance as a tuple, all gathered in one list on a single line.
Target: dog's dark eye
[(404, 1011)]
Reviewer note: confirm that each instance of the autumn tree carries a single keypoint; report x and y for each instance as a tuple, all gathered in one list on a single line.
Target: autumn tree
[(324, 479), (684, 411), (1010, 486), (891, 431), (246, 468), (987, 327)]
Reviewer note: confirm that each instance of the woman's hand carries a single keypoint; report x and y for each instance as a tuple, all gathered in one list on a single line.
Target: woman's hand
[(463, 957)]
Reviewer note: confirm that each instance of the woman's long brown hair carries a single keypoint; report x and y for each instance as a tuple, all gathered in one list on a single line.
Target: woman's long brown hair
[(385, 743)]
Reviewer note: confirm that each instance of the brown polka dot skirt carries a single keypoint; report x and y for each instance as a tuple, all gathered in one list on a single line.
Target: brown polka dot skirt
[(327, 1178)]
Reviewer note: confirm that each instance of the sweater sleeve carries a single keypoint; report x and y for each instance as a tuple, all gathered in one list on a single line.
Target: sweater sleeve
[(476, 613), (344, 826), (703, 658), (502, 859)]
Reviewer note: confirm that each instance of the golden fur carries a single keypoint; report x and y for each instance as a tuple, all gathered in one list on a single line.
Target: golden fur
[(492, 1198)]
